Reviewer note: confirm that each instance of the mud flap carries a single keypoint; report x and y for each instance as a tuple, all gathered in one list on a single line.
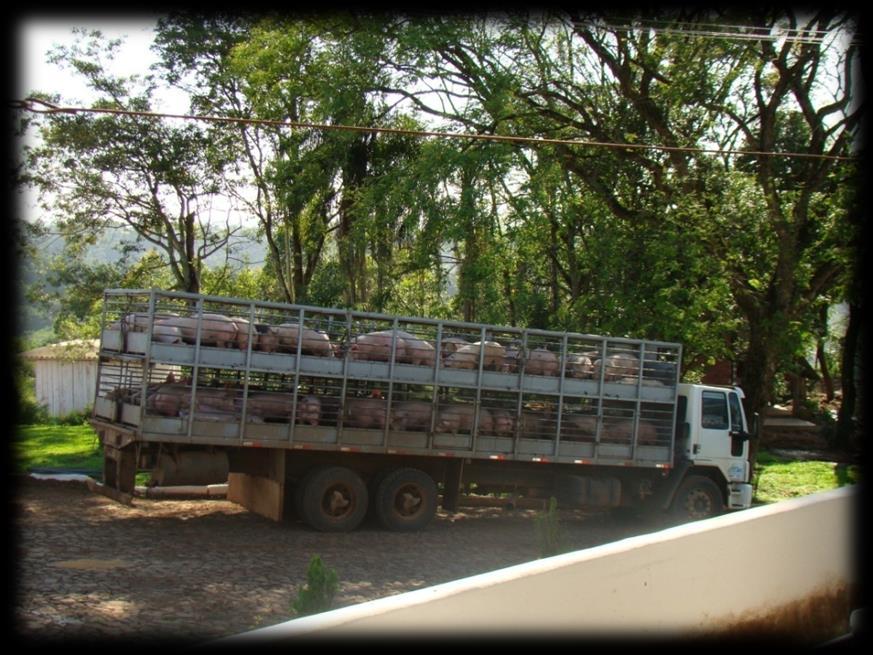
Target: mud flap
[(120, 457)]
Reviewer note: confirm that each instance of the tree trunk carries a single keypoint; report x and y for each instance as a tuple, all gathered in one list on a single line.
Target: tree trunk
[(798, 393), (758, 370), (510, 302), (352, 248), (821, 356), (192, 269), (846, 415), (826, 380)]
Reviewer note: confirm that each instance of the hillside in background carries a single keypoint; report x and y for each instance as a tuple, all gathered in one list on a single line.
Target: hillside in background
[(107, 250)]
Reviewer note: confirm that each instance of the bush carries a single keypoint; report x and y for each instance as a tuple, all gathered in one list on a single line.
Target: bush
[(73, 418), (31, 412), (318, 592), (550, 534)]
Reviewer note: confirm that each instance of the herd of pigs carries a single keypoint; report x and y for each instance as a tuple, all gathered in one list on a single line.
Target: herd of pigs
[(173, 399), (232, 332)]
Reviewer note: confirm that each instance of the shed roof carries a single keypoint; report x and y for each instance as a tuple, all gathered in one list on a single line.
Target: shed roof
[(75, 350)]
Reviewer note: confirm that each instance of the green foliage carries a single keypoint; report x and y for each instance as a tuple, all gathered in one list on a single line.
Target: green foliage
[(29, 409), (550, 533), (318, 593), (733, 256)]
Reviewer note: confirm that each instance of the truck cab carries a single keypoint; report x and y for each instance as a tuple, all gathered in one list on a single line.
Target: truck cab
[(713, 442)]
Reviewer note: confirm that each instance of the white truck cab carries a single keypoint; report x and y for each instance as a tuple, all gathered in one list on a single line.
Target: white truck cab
[(714, 438)]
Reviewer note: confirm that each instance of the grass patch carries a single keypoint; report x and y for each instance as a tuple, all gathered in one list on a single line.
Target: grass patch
[(57, 446), (778, 478), (62, 447)]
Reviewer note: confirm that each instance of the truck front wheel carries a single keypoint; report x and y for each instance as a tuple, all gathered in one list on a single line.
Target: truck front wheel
[(332, 499), (406, 500), (697, 498)]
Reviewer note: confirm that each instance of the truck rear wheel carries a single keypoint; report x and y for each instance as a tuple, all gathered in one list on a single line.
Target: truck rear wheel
[(697, 498), (332, 499), (406, 500)]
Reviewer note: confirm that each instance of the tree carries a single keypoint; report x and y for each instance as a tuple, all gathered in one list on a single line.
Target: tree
[(628, 83), (99, 171)]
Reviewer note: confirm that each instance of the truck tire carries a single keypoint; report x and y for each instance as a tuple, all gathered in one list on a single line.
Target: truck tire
[(698, 497), (406, 500), (332, 499)]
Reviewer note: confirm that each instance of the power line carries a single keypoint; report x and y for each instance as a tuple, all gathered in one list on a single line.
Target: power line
[(28, 104), (722, 31)]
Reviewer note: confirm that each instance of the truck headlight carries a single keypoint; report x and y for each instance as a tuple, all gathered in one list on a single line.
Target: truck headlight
[(737, 473)]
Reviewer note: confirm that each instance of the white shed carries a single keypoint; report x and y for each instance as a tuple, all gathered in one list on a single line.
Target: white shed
[(66, 375)]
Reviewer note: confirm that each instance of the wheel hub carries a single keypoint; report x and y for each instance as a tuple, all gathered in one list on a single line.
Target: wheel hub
[(699, 504), (407, 501), (337, 501)]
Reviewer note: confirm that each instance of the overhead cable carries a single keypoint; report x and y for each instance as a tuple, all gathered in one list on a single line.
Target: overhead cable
[(41, 106)]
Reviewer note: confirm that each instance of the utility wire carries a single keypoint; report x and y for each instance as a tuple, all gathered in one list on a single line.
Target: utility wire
[(29, 104), (744, 33)]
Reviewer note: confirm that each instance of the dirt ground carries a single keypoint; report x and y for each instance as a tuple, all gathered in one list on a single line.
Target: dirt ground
[(88, 568)]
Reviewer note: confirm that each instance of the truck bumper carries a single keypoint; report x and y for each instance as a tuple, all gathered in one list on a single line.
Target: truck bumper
[(739, 495)]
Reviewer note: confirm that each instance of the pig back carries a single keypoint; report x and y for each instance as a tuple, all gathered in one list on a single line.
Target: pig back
[(270, 404), (617, 367), (449, 345), (454, 418), (365, 413), (168, 399), (467, 356), (579, 427), (416, 351), (541, 361), (411, 415), (376, 346), (313, 342), (215, 329)]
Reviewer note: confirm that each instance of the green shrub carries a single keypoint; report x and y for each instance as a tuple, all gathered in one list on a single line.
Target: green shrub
[(550, 534), (73, 418), (318, 592), (31, 412)]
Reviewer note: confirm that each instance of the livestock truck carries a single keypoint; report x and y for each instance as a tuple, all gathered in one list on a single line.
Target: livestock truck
[(331, 414)]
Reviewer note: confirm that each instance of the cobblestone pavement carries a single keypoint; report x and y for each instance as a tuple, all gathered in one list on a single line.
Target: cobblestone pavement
[(88, 568)]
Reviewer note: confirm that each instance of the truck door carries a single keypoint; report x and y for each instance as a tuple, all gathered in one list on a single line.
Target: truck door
[(715, 424), (739, 436)]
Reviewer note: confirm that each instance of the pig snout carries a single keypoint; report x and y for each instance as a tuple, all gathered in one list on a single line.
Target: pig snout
[(309, 410), (579, 366), (502, 423)]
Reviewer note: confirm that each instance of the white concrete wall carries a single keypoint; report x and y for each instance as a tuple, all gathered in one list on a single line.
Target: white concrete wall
[(681, 580), (65, 386)]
